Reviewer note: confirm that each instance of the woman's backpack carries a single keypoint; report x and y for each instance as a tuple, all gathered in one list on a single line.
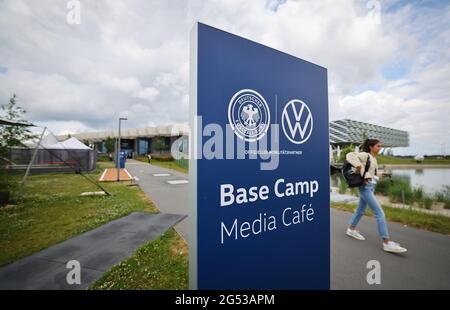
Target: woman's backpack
[(354, 179)]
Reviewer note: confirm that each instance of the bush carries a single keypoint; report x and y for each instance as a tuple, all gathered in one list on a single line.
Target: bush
[(383, 186), (104, 158), (342, 187), (344, 152), (398, 188), (162, 157), (447, 204), (428, 203), (418, 194), (444, 197)]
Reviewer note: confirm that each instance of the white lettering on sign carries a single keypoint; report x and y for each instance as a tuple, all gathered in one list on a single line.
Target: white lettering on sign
[(264, 223), (230, 195)]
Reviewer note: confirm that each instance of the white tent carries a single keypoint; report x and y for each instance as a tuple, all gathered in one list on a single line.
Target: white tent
[(50, 142), (70, 144)]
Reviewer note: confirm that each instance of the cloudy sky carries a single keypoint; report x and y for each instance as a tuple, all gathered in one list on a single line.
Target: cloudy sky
[(388, 61)]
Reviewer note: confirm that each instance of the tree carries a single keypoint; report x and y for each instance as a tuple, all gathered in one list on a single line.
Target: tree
[(11, 136), (344, 152), (110, 144)]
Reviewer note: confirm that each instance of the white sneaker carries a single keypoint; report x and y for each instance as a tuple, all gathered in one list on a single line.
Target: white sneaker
[(393, 247), (355, 234)]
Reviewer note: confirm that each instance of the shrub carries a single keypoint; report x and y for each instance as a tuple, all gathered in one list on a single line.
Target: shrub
[(354, 191), (344, 152), (162, 156), (447, 204), (383, 186), (342, 187), (418, 194), (428, 202), (103, 158), (444, 197), (398, 188)]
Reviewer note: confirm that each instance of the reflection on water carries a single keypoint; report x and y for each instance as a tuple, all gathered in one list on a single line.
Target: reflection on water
[(431, 179)]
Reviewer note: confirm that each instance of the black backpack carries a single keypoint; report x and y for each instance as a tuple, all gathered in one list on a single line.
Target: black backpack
[(354, 179)]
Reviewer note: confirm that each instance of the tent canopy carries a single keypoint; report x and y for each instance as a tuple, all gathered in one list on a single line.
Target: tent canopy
[(50, 142), (73, 144)]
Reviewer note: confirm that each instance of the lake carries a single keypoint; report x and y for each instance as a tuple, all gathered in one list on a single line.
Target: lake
[(431, 179)]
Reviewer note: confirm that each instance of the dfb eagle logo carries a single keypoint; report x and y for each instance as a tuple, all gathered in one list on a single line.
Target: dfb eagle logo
[(250, 115)]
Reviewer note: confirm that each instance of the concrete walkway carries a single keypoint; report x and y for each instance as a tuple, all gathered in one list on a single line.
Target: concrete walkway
[(169, 198), (425, 265), (96, 250)]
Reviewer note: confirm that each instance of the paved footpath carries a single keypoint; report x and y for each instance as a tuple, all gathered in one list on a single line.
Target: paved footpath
[(169, 198), (426, 265), (96, 250)]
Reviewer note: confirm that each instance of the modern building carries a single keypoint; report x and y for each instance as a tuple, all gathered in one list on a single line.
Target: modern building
[(144, 140), (345, 132), (137, 142)]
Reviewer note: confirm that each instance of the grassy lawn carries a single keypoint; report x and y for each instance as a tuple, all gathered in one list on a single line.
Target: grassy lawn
[(160, 264), (51, 211), (383, 159), (431, 222), (171, 164)]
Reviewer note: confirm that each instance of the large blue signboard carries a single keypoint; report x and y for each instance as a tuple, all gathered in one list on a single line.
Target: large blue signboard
[(259, 168)]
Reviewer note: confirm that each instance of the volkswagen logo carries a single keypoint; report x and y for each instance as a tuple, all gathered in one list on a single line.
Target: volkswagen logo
[(297, 121)]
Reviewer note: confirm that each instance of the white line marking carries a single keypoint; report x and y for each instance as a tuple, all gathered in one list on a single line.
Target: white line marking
[(161, 174), (126, 171), (175, 182), (103, 175)]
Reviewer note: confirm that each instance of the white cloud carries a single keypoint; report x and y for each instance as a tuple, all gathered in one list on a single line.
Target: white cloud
[(130, 58)]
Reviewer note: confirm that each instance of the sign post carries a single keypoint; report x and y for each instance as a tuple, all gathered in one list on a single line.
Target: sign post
[(259, 167)]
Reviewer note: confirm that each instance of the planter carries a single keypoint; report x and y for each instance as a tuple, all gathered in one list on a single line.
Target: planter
[(4, 198)]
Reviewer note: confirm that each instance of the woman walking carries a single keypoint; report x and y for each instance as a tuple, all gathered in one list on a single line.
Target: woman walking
[(370, 149)]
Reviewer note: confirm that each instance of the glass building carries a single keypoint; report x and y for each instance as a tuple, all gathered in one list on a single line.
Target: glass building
[(345, 132)]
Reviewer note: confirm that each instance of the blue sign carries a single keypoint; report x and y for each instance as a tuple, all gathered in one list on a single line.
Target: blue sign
[(259, 168)]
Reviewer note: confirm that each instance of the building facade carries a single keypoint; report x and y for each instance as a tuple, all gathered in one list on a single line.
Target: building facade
[(148, 140)]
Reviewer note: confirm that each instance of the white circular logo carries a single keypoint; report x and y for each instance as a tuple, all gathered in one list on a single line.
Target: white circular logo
[(248, 115), (297, 121)]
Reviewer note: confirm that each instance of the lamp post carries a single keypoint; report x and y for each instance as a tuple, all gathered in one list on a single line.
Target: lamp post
[(118, 149)]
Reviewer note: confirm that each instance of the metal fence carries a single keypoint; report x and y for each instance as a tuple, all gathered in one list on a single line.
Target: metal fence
[(52, 160)]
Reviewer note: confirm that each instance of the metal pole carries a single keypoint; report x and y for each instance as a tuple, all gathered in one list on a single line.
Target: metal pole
[(34, 156), (403, 198), (118, 154)]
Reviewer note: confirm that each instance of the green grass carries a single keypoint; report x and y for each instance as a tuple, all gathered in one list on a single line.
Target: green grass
[(431, 222), (397, 188), (383, 159), (50, 210), (160, 264), (169, 164)]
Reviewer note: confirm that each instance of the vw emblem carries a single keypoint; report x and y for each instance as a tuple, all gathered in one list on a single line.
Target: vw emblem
[(297, 121)]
